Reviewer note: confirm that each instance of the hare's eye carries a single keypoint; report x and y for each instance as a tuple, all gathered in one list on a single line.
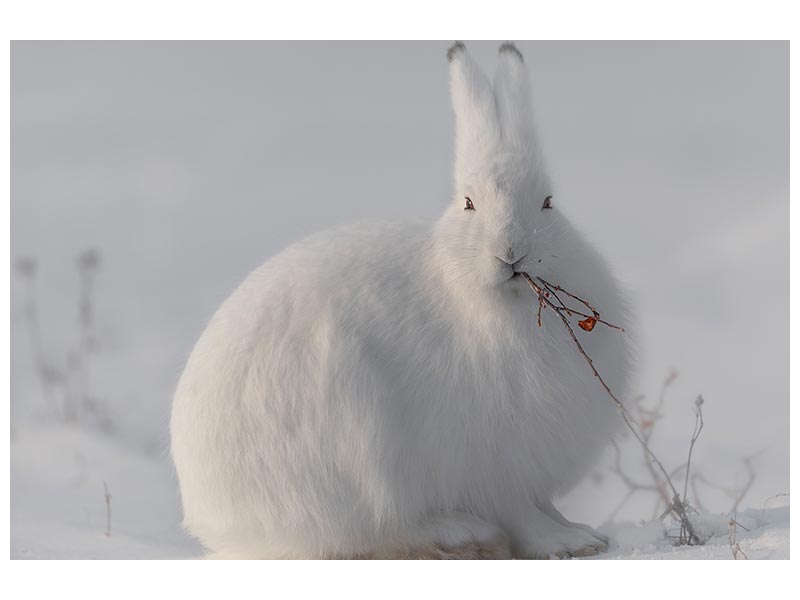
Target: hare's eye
[(469, 205), (547, 203)]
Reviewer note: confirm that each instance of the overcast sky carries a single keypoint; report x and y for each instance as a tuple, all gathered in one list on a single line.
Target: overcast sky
[(188, 164)]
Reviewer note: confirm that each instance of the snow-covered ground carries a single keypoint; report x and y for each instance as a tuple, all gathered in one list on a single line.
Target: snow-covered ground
[(185, 171), (60, 475), (760, 534), (59, 478)]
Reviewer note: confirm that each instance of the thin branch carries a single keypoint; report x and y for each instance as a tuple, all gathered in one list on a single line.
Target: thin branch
[(736, 549), (737, 494), (619, 506), (654, 414), (648, 418), (764, 509), (698, 427), (49, 377), (107, 496), (595, 315), (544, 301), (751, 477), (633, 486), (626, 479), (697, 502)]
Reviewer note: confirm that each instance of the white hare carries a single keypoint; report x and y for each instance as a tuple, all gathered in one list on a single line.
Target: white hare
[(383, 389)]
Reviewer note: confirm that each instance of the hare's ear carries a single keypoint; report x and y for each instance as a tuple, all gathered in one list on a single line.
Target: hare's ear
[(477, 126), (512, 89)]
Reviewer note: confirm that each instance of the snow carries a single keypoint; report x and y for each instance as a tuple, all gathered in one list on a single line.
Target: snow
[(58, 507), (766, 537)]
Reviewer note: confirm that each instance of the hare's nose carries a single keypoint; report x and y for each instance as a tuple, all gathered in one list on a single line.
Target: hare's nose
[(510, 257), (507, 257)]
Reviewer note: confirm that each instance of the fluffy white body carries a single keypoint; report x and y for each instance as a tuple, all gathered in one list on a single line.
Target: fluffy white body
[(384, 390)]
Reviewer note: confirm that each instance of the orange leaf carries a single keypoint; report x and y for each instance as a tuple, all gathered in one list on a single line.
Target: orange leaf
[(587, 324)]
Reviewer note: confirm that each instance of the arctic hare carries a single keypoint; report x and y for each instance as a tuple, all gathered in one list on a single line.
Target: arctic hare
[(383, 389)]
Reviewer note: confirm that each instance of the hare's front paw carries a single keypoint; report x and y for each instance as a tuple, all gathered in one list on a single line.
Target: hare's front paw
[(601, 537), (551, 511), (564, 542), (455, 535), (540, 536)]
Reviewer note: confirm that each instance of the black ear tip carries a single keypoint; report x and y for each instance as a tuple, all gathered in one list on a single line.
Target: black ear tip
[(454, 50), (510, 48)]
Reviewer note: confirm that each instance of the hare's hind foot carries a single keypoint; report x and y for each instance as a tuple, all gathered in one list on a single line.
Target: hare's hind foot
[(455, 536), (497, 550)]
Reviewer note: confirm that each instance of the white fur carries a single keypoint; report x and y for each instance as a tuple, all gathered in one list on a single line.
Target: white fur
[(385, 385)]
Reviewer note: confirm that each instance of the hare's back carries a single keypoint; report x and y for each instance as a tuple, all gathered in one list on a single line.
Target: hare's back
[(361, 266), (346, 281)]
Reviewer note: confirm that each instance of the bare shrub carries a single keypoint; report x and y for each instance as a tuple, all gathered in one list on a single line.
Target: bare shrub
[(66, 385)]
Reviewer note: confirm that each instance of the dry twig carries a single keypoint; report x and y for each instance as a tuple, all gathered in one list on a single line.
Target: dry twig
[(88, 263), (545, 291), (107, 496), (648, 418), (698, 427), (764, 509), (50, 378), (632, 485), (65, 387), (736, 549), (736, 494)]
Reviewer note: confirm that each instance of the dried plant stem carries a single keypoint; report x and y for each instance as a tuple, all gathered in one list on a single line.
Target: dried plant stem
[(766, 502), (544, 293), (626, 479), (632, 485), (553, 289), (26, 267), (107, 497), (79, 359), (736, 549), (736, 494), (698, 427), (649, 417), (751, 477)]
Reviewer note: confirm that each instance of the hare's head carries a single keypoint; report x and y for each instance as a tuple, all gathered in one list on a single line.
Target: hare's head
[(502, 218)]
